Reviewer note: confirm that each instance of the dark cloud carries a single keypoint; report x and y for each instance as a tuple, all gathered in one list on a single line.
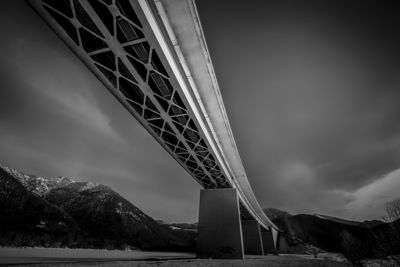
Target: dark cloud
[(58, 119), (311, 89)]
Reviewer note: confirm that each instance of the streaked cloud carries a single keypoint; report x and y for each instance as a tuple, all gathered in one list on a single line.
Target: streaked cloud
[(311, 90), (369, 200)]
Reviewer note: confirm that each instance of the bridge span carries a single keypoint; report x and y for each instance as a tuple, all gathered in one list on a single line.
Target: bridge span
[(153, 57)]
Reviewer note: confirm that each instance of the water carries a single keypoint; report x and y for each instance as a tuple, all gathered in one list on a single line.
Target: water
[(51, 255)]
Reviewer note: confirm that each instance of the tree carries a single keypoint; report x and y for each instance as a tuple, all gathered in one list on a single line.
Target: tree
[(352, 248), (393, 213), (388, 241)]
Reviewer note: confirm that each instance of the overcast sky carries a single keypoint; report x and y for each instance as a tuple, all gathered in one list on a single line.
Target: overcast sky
[(311, 91)]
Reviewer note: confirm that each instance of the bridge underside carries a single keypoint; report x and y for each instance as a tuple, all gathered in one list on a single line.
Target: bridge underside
[(131, 48), (115, 41)]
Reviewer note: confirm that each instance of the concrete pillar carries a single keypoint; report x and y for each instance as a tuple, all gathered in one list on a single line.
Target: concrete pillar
[(252, 238), (283, 246), (219, 229), (268, 241), (275, 236)]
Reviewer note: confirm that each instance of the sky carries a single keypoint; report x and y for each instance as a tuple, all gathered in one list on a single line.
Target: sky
[(311, 91)]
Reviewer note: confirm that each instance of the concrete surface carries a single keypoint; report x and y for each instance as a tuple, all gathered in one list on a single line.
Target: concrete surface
[(283, 246), (220, 233), (252, 238), (268, 242)]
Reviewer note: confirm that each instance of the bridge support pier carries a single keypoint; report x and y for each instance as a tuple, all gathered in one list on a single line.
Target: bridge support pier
[(219, 229), (252, 238), (268, 241), (275, 237), (283, 245)]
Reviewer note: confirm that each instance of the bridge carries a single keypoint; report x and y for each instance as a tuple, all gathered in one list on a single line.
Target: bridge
[(153, 57)]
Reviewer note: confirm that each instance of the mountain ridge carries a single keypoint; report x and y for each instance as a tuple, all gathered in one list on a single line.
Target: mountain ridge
[(352, 238), (101, 218), (37, 184), (274, 213)]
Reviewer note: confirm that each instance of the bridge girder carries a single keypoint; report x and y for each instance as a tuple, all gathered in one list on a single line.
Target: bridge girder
[(132, 49)]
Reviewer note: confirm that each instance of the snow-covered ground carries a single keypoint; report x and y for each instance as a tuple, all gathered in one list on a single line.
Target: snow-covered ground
[(88, 257), (49, 255)]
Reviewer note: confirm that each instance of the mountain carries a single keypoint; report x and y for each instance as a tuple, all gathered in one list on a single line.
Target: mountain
[(27, 219), (335, 219), (94, 215), (370, 224), (104, 214), (352, 238), (364, 224), (273, 213), (320, 232), (36, 184)]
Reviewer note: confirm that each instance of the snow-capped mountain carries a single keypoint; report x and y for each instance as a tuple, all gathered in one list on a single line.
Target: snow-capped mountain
[(95, 215), (36, 184)]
